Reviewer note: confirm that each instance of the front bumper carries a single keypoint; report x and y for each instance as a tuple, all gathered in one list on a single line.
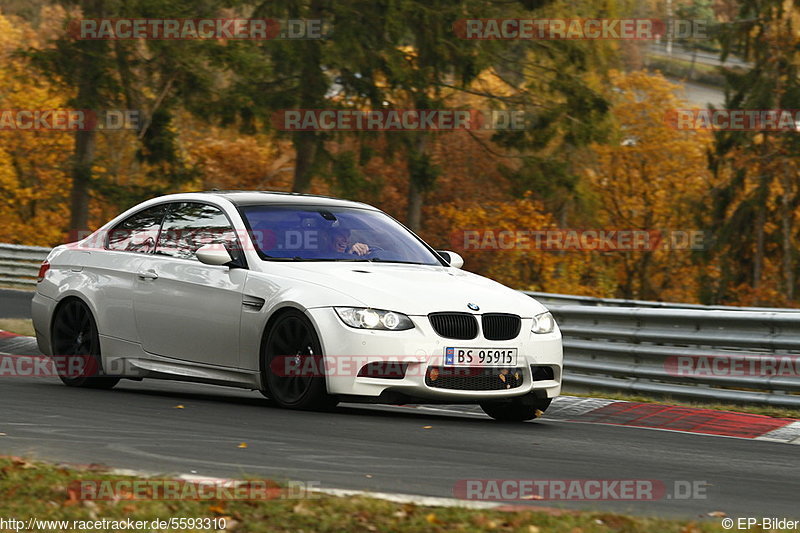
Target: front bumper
[(348, 349)]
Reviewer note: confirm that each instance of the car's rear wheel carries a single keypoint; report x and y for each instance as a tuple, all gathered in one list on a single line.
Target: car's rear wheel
[(76, 347), (293, 373), (516, 410)]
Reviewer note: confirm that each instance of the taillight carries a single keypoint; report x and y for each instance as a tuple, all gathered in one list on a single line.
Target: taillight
[(42, 271)]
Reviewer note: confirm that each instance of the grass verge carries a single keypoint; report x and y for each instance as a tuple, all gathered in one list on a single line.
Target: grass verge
[(17, 286), (20, 326), (777, 412), (33, 489)]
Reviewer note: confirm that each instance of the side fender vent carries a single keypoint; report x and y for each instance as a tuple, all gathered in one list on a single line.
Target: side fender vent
[(252, 303)]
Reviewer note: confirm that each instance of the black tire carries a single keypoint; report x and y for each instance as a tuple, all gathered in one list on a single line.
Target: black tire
[(293, 335), (75, 338), (516, 410)]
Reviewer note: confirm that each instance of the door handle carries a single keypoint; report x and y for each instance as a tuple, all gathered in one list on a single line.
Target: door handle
[(147, 274)]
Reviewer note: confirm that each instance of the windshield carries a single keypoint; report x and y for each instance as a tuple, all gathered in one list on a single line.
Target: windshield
[(306, 233)]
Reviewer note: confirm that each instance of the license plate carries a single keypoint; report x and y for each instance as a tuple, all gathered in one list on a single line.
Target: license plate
[(489, 357)]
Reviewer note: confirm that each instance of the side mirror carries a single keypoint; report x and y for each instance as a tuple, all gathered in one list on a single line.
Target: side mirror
[(452, 258), (213, 254)]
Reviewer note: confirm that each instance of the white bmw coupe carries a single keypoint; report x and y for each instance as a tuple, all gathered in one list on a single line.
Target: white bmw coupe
[(310, 300)]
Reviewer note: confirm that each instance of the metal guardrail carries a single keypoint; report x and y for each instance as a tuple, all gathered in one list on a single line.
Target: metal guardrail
[(742, 355), (698, 56), (629, 345), (20, 264), (549, 299)]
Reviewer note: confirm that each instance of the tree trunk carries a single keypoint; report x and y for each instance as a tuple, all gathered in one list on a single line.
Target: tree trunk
[(646, 291), (305, 147), (625, 290), (83, 159), (312, 90), (87, 98), (762, 193), (414, 212), (81, 180), (758, 255), (420, 177), (787, 223)]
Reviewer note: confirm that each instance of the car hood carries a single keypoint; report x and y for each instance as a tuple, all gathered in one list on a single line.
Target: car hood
[(411, 289)]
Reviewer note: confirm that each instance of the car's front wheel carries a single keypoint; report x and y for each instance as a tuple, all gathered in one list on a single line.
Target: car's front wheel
[(517, 409), (76, 347), (293, 372)]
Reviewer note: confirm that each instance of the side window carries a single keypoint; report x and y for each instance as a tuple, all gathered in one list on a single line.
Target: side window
[(189, 225), (138, 232)]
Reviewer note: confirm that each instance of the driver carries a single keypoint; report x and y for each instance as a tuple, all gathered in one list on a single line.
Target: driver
[(340, 239)]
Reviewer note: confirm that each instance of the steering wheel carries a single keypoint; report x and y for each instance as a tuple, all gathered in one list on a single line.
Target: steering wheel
[(373, 250)]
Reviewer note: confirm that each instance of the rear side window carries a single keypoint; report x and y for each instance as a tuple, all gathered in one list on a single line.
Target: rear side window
[(190, 225), (138, 232)]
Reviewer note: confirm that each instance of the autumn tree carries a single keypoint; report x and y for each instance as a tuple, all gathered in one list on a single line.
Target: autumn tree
[(650, 176), (755, 205), (560, 84), (156, 78), (34, 176)]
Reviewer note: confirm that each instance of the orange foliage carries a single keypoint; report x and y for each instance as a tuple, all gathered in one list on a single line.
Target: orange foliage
[(520, 265), (230, 161), (653, 177), (34, 185)]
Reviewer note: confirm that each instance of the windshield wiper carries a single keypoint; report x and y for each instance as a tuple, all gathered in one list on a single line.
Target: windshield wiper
[(295, 258), (348, 260), (379, 260)]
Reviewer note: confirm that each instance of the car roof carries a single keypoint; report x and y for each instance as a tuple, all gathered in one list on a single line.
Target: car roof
[(245, 198), (242, 198)]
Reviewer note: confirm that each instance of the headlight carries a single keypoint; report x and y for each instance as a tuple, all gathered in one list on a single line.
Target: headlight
[(365, 318), (544, 323)]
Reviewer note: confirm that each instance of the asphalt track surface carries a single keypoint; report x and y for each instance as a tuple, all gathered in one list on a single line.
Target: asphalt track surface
[(15, 303), (409, 450), (386, 449)]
